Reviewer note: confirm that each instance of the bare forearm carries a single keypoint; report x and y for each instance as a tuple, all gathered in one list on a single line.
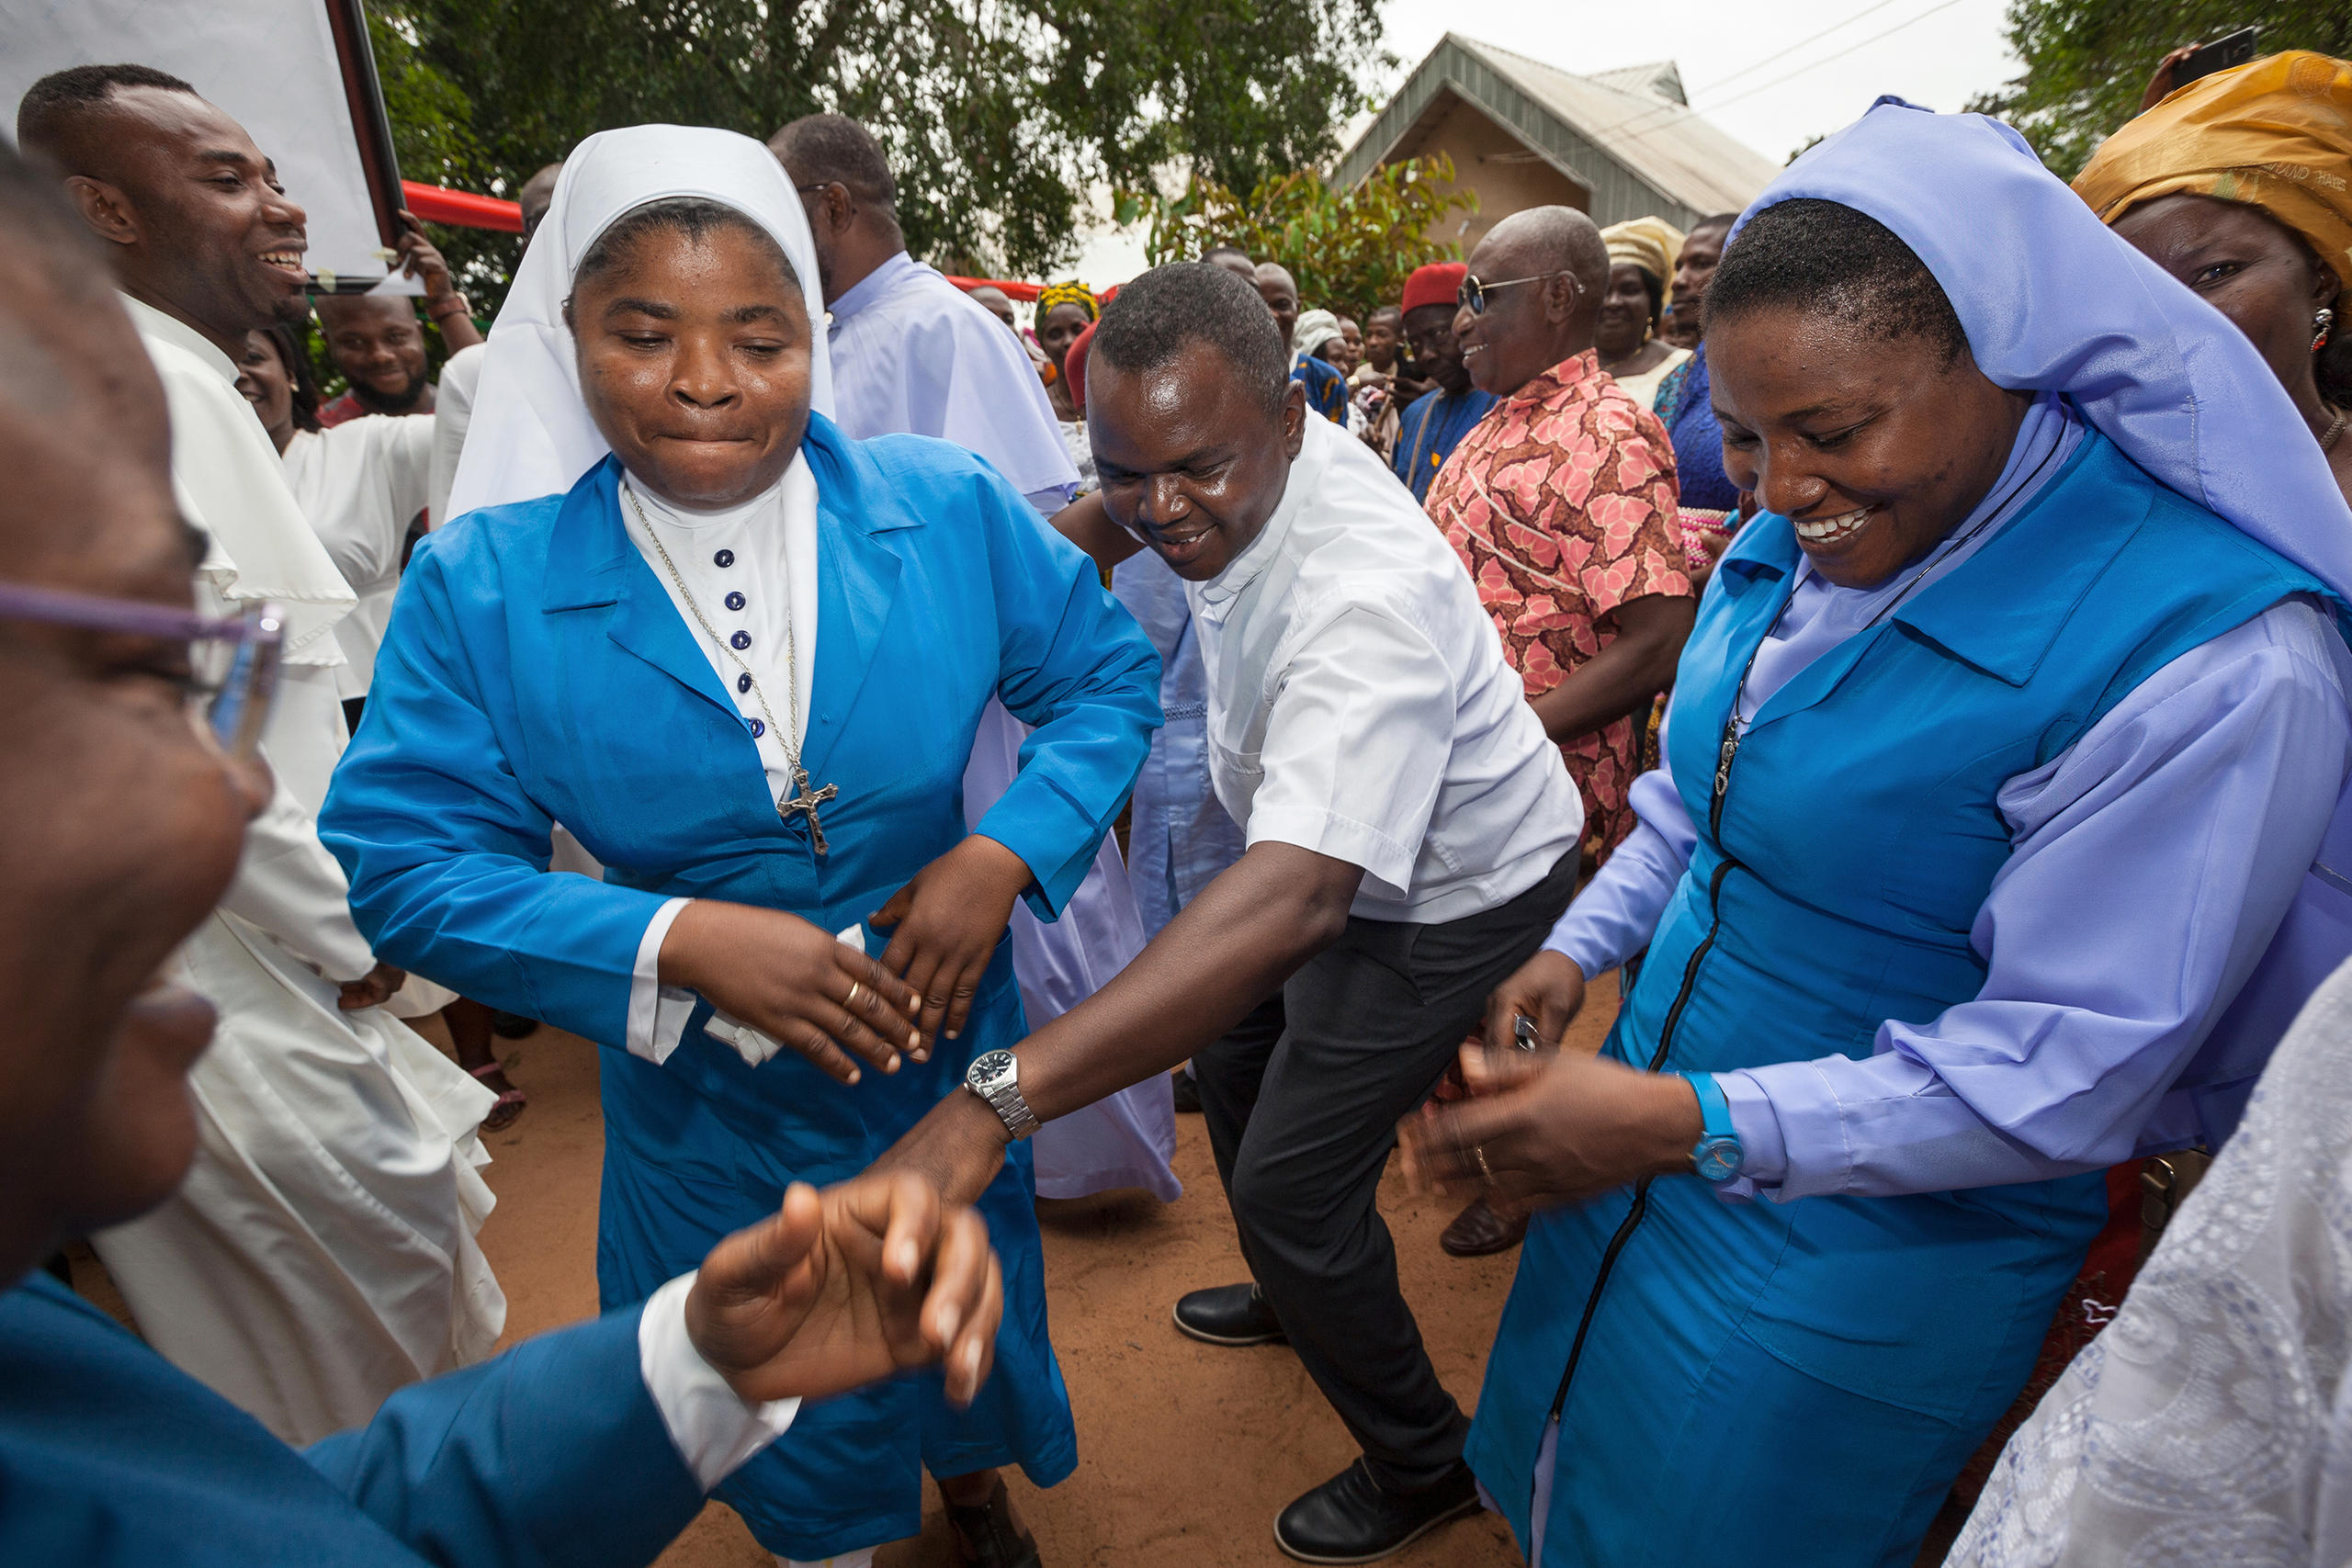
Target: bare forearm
[(1625, 676), (1231, 948), (1086, 523)]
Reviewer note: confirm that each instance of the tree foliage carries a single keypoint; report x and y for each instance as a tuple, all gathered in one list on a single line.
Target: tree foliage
[(998, 114), (1350, 250), (2088, 61)]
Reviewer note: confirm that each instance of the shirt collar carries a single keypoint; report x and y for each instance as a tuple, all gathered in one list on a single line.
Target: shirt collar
[(873, 285), (1576, 369), (151, 322), (1304, 478)]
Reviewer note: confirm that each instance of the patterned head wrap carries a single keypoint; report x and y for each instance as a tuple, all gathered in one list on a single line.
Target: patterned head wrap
[(2276, 134), (1071, 293), (1651, 243)]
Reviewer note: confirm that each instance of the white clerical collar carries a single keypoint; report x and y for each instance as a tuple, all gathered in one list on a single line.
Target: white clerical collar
[(870, 288), (693, 521), (150, 322), (1306, 472)]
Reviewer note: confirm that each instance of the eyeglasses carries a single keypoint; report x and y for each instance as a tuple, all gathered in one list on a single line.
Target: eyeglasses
[(232, 659), (1472, 294)]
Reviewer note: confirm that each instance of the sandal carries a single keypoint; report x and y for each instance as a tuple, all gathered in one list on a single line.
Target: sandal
[(986, 1536), (507, 1106)]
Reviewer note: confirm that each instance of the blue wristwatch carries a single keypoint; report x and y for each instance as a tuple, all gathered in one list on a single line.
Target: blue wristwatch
[(1716, 1156)]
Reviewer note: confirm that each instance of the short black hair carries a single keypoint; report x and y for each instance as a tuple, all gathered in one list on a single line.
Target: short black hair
[(833, 149), (1825, 258), (1155, 317), (690, 216), (1379, 310), (45, 114), (1226, 248), (1715, 221)]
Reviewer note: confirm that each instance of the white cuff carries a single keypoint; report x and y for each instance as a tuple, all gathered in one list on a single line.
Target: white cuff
[(716, 1432), (657, 1013)]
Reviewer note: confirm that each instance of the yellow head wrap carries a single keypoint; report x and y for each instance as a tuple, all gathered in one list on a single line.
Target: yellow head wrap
[(1071, 293), (1651, 243), (2276, 134)]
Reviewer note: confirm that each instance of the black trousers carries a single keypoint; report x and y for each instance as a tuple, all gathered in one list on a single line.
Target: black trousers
[(1302, 1102)]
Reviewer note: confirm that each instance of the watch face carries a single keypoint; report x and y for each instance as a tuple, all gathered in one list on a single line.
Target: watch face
[(1719, 1160), (987, 1067)]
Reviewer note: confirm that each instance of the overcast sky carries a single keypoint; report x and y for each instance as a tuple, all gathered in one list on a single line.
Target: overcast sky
[(1936, 53)]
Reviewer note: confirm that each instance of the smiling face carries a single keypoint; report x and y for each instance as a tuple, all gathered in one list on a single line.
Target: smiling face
[(262, 377), (1436, 352), (1876, 448), (1192, 462), (375, 341), (2245, 265), (212, 233), (120, 826), (1060, 330), (1625, 321), (694, 361)]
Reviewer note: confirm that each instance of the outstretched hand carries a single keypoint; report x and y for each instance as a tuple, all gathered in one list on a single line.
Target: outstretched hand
[(845, 1287), (944, 926), (1555, 1129)]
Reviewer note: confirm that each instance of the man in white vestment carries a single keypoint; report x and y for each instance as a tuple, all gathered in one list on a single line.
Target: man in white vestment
[(320, 1253), (912, 354)]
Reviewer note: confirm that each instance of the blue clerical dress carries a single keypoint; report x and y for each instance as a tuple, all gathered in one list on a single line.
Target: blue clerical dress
[(111, 1456), (536, 672), (1800, 1383)]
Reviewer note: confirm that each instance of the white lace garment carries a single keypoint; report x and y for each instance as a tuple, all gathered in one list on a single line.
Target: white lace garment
[(2210, 1424)]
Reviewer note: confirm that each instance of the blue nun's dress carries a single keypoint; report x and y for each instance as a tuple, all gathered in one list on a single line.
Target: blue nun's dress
[(536, 672)]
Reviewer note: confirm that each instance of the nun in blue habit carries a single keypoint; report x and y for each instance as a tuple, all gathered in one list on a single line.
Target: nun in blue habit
[(2008, 734), (740, 657)]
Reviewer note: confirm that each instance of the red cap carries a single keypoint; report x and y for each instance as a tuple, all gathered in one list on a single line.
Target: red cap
[(1435, 284), (1074, 366)]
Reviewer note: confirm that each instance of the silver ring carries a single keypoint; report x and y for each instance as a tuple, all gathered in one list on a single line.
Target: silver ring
[(850, 1001)]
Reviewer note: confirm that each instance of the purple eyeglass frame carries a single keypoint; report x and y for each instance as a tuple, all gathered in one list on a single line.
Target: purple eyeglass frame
[(133, 617)]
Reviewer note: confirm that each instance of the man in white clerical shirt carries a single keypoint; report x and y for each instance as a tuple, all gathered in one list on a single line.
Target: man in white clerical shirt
[(320, 1254), (913, 353)]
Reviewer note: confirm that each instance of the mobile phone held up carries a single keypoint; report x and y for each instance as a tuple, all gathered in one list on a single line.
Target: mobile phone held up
[(2231, 48)]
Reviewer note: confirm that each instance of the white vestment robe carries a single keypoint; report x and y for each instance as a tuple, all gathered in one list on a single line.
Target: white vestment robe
[(321, 1252), (360, 484)]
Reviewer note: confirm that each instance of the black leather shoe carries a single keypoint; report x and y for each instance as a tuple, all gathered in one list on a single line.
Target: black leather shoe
[(1228, 1315), (1352, 1518)]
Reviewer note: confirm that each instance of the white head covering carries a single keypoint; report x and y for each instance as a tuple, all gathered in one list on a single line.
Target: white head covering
[(1313, 330), (531, 435)]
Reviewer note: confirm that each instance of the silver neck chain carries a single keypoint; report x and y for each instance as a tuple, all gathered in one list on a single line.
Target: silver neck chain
[(786, 737)]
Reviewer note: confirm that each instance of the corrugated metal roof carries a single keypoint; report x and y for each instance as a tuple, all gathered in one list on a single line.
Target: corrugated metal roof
[(1637, 150), (1662, 78)]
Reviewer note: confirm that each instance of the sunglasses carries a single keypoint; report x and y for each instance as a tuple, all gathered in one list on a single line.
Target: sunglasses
[(232, 659), (1472, 294)]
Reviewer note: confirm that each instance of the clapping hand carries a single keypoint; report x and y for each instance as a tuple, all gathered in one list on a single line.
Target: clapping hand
[(944, 926), (846, 1287)]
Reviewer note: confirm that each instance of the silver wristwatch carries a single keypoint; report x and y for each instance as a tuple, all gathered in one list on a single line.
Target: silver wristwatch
[(995, 1077)]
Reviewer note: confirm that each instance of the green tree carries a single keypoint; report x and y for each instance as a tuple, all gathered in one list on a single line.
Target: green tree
[(998, 114), (1350, 250), (2086, 62)]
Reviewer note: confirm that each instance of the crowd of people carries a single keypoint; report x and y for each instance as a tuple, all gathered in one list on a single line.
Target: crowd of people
[(1899, 629)]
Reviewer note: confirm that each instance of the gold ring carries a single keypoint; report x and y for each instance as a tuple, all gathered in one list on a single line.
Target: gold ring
[(851, 1000), (1479, 1150)]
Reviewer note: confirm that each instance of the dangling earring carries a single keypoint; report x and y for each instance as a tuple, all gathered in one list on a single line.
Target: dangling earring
[(2323, 325)]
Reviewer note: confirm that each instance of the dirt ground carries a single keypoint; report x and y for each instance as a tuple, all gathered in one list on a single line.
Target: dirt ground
[(1186, 1451)]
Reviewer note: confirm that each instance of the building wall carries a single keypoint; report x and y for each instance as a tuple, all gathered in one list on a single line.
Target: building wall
[(1506, 177), (1613, 192)]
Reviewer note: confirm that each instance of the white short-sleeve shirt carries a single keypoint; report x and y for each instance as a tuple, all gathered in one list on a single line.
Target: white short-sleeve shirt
[(1361, 707)]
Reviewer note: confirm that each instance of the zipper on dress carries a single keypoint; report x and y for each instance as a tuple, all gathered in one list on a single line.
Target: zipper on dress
[(1640, 1207)]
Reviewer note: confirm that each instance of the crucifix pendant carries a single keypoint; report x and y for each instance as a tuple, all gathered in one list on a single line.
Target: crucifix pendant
[(805, 803)]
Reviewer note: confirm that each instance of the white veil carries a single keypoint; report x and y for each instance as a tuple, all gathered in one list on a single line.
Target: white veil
[(531, 435)]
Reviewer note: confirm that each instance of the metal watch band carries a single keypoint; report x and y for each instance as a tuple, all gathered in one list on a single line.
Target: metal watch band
[(1005, 1099)]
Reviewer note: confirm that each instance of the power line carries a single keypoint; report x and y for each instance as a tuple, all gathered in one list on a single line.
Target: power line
[(1783, 54), (1826, 58)]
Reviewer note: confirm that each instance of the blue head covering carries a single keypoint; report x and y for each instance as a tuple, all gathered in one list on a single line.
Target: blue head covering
[(2052, 300)]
